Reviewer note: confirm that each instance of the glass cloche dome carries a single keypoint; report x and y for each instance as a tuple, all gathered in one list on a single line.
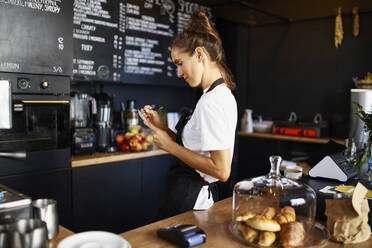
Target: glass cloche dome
[(272, 210)]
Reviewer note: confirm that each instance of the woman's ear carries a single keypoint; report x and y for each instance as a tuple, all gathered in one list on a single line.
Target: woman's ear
[(199, 52)]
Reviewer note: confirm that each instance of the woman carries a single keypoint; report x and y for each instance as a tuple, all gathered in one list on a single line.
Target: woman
[(204, 142)]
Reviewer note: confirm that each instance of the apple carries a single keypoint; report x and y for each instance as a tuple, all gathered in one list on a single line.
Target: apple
[(149, 138), (136, 148), (127, 135), (139, 137), (125, 147), (120, 138), (145, 145), (134, 130), (133, 140)]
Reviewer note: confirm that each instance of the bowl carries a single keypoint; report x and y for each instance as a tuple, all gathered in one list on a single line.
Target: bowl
[(263, 127)]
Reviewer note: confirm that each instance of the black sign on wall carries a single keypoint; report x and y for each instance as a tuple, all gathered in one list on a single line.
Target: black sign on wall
[(128, 40), (97, 39), (36, 36)]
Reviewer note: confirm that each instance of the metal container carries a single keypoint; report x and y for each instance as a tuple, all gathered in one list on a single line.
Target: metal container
[(13, 205), (357, 131), (46, 210)]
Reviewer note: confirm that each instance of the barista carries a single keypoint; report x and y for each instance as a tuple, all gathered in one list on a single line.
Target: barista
[(204, 143)]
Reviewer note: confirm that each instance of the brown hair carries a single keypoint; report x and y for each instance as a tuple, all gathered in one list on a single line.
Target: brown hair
[(201, 33)]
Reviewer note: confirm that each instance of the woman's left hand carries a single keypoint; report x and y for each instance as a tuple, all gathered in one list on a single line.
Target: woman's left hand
[(161, 137)]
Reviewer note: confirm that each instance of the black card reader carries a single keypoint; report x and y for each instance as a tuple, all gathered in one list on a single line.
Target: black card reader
[(183, 235)]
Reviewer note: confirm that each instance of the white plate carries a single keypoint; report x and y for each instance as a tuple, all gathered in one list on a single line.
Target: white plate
[(94, 239)]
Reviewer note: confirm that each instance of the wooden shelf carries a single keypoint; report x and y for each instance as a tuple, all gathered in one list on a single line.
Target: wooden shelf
[(291, 138), (100, 158)]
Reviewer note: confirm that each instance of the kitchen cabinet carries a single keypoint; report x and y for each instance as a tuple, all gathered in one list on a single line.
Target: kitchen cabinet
[(118, 196), (154, 171), (106, 196), (54, 184)]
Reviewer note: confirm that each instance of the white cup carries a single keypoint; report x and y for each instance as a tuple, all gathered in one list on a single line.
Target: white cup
[(293, 172)]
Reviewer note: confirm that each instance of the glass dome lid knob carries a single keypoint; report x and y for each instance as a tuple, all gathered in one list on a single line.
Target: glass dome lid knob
[(275, 162)]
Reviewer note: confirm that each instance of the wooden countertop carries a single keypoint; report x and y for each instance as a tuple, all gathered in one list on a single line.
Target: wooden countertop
[(213, 221), (62, 233), (291, 138), (100, 158)]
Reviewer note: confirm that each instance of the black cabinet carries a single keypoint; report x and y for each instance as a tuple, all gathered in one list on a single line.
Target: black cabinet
[(106, 196), (55, 184), (154, 171), (118, 196)]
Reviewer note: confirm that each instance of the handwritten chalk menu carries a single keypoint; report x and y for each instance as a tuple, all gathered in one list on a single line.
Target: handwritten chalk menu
[(128, 40), (150, 28), (98, 41), (35, 36)]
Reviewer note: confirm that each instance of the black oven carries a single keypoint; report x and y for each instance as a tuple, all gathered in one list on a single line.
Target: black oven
[(40, 113), (39, 117)]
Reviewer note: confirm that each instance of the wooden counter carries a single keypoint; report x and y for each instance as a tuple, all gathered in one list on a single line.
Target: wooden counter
[(100, 158), (213, 221), (291, 138)]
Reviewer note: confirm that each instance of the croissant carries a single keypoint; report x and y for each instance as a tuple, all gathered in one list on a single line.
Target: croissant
[(287, 215), (248, 233), (266, 238), (269, 212), (245, 216), (288, 209), (261, 223), (292, 234)]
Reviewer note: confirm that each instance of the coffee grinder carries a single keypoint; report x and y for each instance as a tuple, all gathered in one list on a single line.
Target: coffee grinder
[(82, 108)]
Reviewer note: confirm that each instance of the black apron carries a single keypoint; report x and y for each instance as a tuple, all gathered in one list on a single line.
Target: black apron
[(183, 183)]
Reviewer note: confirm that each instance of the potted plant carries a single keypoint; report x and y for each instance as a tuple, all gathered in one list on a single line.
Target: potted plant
[(365, 158)]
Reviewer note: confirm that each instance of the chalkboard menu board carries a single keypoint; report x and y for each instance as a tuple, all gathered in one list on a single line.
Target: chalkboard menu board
[(35, 36), (128, 41)]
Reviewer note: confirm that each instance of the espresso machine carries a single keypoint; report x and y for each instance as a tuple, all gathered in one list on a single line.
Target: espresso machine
[(103, 124), (82, 109)]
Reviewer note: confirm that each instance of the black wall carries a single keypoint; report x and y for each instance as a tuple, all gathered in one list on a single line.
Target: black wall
[(173, 98), (296, 67)]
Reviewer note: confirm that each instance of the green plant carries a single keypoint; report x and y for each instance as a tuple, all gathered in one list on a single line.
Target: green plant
[(366, 118)]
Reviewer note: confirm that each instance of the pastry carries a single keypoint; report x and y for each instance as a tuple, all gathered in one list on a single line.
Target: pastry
[(261, 223), (248, 233), (266, 238), (269, 212), (245, 216), (288, 209), (292, 234), (287, 215)]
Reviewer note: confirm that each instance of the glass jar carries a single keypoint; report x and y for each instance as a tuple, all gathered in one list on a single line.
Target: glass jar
[(267, 200)]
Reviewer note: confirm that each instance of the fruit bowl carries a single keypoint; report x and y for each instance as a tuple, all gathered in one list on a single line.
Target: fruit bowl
[(135, 140)]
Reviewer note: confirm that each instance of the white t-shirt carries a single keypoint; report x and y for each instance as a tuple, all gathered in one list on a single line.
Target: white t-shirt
[(211, 127)]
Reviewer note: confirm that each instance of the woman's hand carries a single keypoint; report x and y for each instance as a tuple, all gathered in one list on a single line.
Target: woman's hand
[(161, 137), (153, 117)]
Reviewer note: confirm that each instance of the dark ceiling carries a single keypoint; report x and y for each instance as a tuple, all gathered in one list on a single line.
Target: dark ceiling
[(262, 12)]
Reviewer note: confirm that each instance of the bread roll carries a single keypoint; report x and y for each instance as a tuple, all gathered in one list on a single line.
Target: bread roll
[(261, 223), (266, 238), (292, 234), (269, 212), (245, 216), (248, 233)]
